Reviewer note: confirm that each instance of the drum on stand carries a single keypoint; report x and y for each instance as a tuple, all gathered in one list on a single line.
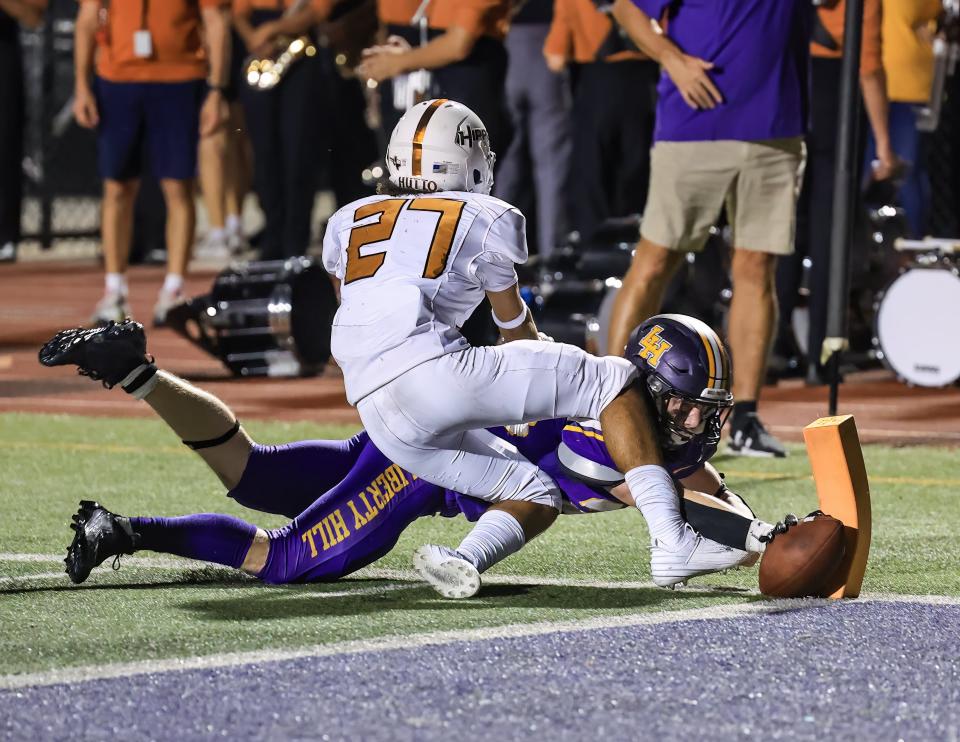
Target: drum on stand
[(917, 332), (269, 318)]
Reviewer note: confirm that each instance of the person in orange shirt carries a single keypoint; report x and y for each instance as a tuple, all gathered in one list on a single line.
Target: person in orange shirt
[(907, 32), (464, 52), (226, 169), (157, 88), (614, 103), (12, 104), (815, 208)]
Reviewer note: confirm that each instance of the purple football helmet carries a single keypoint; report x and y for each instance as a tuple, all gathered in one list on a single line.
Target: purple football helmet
[(686, 370)]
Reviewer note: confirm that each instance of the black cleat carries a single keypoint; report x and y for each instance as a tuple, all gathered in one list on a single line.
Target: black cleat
[(749, 437), (106, 354), (100, 534)]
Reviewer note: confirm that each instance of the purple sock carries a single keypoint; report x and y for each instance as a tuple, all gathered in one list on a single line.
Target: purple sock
[(209, 537)]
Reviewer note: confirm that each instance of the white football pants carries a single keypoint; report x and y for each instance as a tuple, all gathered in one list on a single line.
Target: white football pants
[(431, 419)]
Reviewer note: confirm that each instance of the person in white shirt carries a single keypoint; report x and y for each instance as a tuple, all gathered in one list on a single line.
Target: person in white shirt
[(413, 266)]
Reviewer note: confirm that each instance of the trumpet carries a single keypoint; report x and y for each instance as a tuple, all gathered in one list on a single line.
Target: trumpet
[(268, 72)]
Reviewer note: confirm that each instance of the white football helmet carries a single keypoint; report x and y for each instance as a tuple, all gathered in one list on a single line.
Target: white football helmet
[(441, 145)]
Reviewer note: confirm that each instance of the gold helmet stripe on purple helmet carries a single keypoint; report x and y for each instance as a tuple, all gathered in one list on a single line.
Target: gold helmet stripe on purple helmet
[(718, 370)]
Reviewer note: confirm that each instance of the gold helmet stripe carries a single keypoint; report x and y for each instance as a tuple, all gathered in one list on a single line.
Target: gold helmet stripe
[(717, 363), (420, 133)]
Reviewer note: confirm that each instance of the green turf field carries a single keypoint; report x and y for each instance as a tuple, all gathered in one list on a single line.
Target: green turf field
[(156, 608)]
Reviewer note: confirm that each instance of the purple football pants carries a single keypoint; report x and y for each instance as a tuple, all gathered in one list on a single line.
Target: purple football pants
[(348, 502)]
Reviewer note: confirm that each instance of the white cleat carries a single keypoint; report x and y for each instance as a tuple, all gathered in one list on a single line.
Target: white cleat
[(166, 300), (697, 556), (446, 571), (112, 307)]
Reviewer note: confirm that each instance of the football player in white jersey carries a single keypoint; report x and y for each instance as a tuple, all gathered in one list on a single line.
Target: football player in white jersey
[(413, 266)]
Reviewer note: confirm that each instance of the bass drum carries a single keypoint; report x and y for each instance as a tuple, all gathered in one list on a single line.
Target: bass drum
[(269, 318), (918, 324)]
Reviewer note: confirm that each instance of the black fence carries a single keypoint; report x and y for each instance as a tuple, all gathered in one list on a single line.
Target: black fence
[(61, 187)]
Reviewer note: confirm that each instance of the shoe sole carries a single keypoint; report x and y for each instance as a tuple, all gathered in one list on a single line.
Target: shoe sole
[(77, 559), (453, 578)]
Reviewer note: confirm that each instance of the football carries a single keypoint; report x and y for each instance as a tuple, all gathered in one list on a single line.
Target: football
[(799, 563)]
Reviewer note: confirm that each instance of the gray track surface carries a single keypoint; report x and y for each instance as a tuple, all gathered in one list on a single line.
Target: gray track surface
[(881, 671)]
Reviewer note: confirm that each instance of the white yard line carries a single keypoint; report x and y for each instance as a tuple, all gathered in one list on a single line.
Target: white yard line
[(389, 643), (405, 575), (433, 638)]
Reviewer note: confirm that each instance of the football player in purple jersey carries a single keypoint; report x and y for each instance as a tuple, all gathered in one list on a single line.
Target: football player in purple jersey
[(349, 503)]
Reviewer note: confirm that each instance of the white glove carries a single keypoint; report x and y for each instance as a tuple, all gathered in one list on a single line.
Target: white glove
[(520, 430)]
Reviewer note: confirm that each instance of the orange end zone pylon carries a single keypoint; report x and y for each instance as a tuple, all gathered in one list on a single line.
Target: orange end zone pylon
[(842, 488)]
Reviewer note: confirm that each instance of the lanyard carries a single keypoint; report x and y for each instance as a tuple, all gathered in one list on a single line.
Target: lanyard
[(144, 10)]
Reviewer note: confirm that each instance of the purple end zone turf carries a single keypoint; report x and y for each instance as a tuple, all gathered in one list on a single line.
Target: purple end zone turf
[(851, 670)]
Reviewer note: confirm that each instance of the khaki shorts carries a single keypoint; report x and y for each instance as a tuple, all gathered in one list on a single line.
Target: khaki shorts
[(758, 182)]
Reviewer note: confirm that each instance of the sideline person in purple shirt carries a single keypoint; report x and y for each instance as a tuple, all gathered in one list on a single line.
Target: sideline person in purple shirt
[(729, 134)]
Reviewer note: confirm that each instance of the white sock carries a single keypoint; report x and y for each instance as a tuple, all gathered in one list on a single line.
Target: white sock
[(217, 234), (495, 536), (655, 496), (146, 385), (233, 224), (115, 283), (172, 283)]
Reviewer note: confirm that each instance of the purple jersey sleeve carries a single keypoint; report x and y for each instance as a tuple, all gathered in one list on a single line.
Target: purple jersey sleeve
[(586, 440)]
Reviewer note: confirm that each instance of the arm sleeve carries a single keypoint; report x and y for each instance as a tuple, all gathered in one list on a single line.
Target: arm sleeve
[(504, 246), (331, 247), (472, 14)]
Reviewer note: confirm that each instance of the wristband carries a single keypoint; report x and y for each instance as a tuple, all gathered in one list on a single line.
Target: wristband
[(513, 323)]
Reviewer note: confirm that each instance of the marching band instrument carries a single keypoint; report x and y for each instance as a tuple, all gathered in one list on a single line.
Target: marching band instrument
[(916, 330), (266, 73)]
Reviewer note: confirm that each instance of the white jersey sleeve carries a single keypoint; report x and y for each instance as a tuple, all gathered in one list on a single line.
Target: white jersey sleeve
[(504, 246), (332, 253)]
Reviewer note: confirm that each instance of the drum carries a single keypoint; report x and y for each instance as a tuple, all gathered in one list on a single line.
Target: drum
[(269, 318), (917, 330)]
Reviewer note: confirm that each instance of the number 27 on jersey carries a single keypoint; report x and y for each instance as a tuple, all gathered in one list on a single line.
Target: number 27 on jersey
[(364, 266)]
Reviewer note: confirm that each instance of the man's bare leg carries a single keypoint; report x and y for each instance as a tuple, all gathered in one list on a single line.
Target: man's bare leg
[(213, 177), (753, 317), (181, 223), (117, 222), (641, 294), (116, 231), (752, 323)]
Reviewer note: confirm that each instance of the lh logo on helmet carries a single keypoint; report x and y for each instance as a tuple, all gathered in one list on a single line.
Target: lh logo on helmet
[(652, 346)]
